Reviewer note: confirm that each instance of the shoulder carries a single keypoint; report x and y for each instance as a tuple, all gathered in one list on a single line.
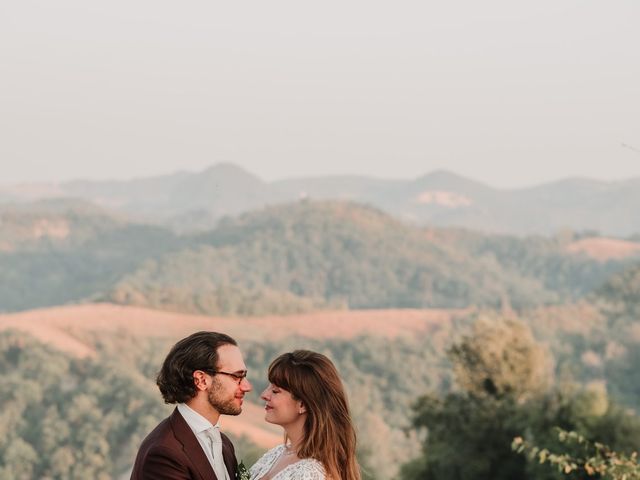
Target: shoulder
[(265, 461), (275, 450), (307, 469), (271, 454), (158, 458), (159, 447), (161, 435)]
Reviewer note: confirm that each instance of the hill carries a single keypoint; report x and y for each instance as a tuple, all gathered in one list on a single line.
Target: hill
[(58, 251), (291, 258), (67, 328), (605, 249), (310, 255), (98, 361), (387, 359), (189, 201), (127, 344)]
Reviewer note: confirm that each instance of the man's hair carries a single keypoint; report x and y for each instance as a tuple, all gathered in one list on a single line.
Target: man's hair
[(198, 351), (329, 435)]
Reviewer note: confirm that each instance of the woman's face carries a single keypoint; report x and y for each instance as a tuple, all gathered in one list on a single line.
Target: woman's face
[(280, 406)]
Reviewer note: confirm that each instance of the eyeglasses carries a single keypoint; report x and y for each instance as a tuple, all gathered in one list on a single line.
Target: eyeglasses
[(238, 377)]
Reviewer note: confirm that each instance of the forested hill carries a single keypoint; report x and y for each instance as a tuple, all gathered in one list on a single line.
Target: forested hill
[(295, 257), (309, 254), (305, 256), (63, 251)]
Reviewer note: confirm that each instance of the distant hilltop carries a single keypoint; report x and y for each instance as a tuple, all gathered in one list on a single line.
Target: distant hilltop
[(192, 201)]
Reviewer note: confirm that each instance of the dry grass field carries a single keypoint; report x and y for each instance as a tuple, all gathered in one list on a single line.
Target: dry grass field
[(603, 249), (66, 327), (62, 327)]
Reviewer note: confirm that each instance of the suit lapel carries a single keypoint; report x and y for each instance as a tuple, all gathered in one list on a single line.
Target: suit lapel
[(229, 457), (191, 446)]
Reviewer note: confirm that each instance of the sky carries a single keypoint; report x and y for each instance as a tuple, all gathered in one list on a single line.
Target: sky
[(505, 92)]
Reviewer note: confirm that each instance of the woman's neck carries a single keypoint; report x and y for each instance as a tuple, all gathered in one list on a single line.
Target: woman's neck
[(295, 434)]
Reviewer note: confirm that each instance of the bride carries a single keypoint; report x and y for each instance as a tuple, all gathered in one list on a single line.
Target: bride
[(306, 398)]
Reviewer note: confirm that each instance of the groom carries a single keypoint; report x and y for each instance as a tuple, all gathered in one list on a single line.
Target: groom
[(206, 376)]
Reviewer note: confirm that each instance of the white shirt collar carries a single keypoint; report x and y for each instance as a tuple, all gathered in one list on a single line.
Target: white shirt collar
[(196, 422)]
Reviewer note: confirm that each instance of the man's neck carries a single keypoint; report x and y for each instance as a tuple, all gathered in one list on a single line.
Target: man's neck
[(204, 408)]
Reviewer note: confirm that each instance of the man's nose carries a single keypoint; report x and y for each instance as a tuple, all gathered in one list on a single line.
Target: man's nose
[(245, 385)]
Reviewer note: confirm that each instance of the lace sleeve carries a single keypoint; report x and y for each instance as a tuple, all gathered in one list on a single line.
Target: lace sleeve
[(307, 469)]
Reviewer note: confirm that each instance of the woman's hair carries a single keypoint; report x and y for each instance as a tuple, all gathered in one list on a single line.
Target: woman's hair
[(198, 351), (329, 436)]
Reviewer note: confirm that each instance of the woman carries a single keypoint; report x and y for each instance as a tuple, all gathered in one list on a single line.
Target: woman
[(306, 398)]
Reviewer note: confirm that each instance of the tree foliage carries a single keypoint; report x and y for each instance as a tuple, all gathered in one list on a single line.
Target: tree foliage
[(501, 359), (65, 418), (469, 432), (597, 460), (332, 254)]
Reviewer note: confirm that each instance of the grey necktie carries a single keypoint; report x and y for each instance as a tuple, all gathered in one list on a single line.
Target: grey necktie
[(213, 434)]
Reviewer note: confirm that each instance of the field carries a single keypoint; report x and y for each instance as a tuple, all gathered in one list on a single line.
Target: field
[(66, 328)]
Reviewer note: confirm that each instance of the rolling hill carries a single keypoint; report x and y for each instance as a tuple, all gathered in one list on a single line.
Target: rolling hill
[(126, 345), (291, 258), (189, 201), (311, 255), (54, 252)]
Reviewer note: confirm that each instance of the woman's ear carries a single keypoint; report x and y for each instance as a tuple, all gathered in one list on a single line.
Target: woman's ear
[(301, 408)]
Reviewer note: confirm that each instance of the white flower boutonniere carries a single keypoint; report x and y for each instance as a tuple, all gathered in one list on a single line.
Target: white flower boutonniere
[(243, 472)]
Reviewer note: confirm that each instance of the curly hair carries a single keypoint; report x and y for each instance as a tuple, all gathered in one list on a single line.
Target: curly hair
[(198, 351)]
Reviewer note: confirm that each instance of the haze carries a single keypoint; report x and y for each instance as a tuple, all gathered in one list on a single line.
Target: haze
[(509, 93)]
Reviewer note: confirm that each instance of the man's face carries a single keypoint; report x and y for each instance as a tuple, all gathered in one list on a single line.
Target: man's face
[(225, 393)]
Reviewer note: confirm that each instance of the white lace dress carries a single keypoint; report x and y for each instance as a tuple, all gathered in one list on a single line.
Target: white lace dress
[(305, 469)]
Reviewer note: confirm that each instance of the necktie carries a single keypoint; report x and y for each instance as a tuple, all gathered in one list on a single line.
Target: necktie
[(215, 440)]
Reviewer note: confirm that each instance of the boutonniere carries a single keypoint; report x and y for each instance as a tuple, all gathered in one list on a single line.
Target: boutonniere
[(243, 472)]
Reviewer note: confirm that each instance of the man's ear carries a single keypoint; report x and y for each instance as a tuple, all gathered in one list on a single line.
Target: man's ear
[(200, 380)]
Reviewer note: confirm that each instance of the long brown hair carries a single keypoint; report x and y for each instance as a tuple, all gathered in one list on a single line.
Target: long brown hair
[(329, 436)]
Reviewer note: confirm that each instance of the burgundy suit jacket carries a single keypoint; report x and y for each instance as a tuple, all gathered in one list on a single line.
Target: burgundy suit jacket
[(172, 452)]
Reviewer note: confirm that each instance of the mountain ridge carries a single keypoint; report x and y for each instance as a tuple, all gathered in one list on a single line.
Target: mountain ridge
[(192, 201)]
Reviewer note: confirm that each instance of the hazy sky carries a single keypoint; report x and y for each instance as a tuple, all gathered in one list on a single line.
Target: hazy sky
[(507, 92)]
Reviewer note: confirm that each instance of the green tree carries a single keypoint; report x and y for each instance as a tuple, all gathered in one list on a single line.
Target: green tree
[(505, 393), (500, 358)]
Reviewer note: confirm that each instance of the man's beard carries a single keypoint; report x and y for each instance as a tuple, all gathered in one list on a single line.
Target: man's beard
[(223, 406)]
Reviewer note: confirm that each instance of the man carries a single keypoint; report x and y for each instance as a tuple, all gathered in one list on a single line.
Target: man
[(205, 375)]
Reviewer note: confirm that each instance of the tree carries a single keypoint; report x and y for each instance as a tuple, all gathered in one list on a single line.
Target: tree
[(501, 359), (505, 392), (498, 368)]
